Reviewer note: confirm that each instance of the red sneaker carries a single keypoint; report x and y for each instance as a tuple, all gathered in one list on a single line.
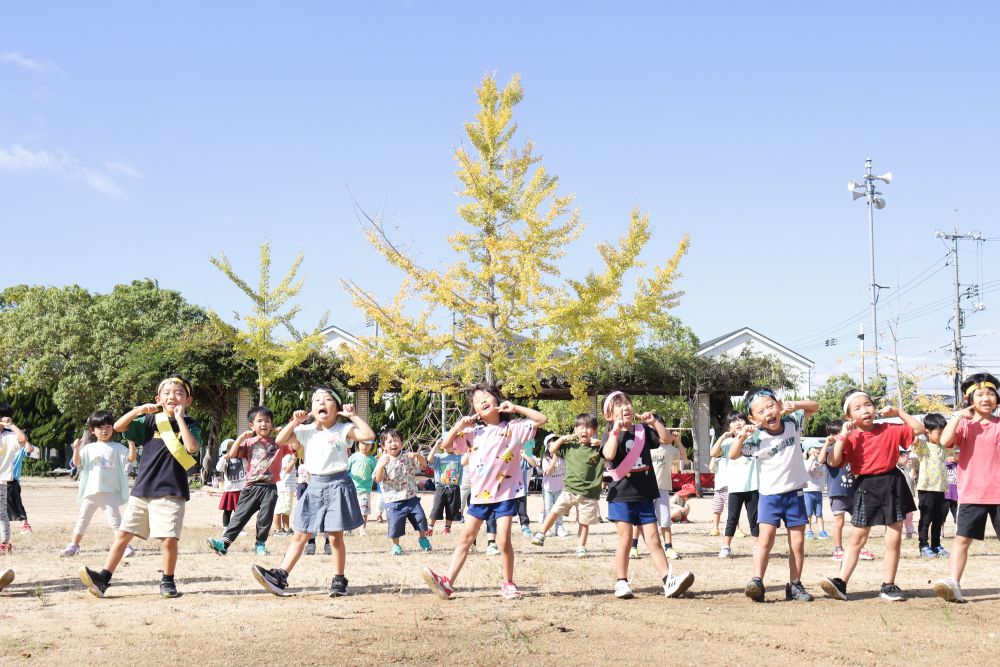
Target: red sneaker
[(439, 585), (25, 527)]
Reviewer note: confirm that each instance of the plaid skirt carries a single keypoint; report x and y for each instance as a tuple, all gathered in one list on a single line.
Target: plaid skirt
[(881, 500)]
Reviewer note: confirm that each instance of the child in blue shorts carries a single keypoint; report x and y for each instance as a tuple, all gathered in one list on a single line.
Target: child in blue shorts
[(774, 438), (397, 473)]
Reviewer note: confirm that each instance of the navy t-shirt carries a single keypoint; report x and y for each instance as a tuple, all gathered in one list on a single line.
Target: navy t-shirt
[(841, 481), (640, 484), (160, 474)]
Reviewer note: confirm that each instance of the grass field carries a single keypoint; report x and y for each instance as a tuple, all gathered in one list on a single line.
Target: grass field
[(567, 615)]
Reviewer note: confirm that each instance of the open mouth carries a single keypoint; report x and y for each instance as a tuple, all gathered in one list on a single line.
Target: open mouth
[(322, 412)]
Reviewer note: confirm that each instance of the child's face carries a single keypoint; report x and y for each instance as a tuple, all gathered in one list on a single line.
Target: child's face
[(766, 413), (171, 395), (623, 412), (861, 411), (584, 432), (393, 445), (261, 425), (935, 435), (984, 401), (736, 425), (103, 432), (365, 447), (324, 408), (813, 452), (485, 404), (903, 458)]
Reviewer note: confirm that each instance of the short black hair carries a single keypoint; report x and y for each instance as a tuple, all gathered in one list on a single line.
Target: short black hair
[(260, 410), (490, 389), (586, 419), (100, 418), (975, 379), (834, 426), (387, 433), (735, 416), (754, 392), (6, 410), (853, 390), (934, 421)]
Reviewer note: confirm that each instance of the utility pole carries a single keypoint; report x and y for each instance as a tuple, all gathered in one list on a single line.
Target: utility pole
[(954, 237), (861, 337)]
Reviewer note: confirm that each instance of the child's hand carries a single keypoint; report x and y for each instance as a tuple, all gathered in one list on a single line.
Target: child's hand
[(506, 406), (788, 406), (179, 412), (245, 435), (967, 413), (349, 411), (77, 443), (846, 429), (149, 409), (647, 418), (468, 420), (299, 416), (889, 411), (384, 459), (746, 431), (7, 422)]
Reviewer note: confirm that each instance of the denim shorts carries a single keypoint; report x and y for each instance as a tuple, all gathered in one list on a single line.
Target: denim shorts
[(399, 512), (814, 503), (789, 507), (637, 512), (486, 511)]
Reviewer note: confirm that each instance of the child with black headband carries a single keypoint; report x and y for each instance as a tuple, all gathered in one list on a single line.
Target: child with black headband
[(881, 495), (976, 432), (160, 493)]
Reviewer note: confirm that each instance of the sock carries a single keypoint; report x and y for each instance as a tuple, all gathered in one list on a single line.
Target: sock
[(106, 576), (635, 544), (665, 577), (625, 580), (668, 545), (168, 577), (488, 543)]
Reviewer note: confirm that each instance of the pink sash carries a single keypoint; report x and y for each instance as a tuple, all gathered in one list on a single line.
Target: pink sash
[(625, 467)]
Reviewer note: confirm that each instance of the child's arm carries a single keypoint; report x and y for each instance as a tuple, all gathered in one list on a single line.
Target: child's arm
[(419, 459), (839, 440), (288, 467), (610, 449), (18, 433), (379, 474), (736, 449), (824, 449), (808, 407), (433, 453), (559, 442), (286, 436), (532, 461), (190, 442), (948, 434), (133, 453), (550, 465), (531, 415), (682, 451), (234, 449), (665, 436), (77, 446), (457, 428), (716, 450), (148, 409), (915, 424), (360, 430)]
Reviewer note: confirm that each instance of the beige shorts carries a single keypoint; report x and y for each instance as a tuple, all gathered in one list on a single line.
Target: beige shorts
[(154, 517), (588, 508)]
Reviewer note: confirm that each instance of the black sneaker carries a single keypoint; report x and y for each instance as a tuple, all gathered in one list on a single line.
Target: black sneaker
[(94, 582), (892, 593), (274, 581), (168, 589), (794, 590), (338, 587), (755, 589), (835, 587)]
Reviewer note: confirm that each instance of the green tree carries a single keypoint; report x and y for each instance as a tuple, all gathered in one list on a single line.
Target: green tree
[(272, 357)]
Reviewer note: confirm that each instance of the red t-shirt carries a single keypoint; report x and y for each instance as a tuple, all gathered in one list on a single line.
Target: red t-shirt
[(876, 451), (263, 457), (978, 461)]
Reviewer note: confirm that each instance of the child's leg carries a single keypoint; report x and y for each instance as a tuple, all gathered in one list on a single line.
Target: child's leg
[(117, 550), (838, 530), (859, 536), (295, 547), (4, 519), (418, 519), (765, 542), (938, 516), (339, 552), (265, 515), (113, 514), (753, 505), (583, 532), (893, 539), (959, 555), (796, 552), (248, 503), (87, 508), (506, 547), (226, 515), (622, 548), (169, 546), (909, 524), (736, 502), (656, 554), (469, 532), (822, 524)]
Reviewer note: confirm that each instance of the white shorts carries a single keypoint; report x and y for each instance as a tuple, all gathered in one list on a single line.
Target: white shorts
[(662, 507), (154, 517)]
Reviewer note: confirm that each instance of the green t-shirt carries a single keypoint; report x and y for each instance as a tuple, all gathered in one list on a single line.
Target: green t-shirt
[(584, 467), (361, 468)]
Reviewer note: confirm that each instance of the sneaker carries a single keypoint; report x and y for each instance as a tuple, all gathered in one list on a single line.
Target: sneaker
[(129, 551), (430, 532), (492, 549), (835, 587), (633, 553), (25, 528), (424, 543), (274, 581), (93, 581), (623, 591), (823, 535), (561, 532), (261, 549), (740, 533), (810, 535), (755, 589), (794, 590), (509, 591), (538, 540), (838, 554), (714, 532), (327, 549), (217, 545), (7, 576), (440, 586), (526, 531), (674, 586), (941, 552), (396, 550), (168, 589), (725, 552), (310, 548), (473, 549), (447, 530), (864, 554), (892, 593), (581, 552), (671, 553), (70, 550), (949, 590), (927, 552), (551, 532), (338, 587)]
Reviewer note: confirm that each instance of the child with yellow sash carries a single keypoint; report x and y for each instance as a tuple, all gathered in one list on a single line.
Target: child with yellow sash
[(156, 505)]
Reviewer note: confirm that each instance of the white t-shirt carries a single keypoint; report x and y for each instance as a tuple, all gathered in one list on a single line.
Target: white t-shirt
[(326, 451), (780, 463), (663, 460), (288, 479), (817, 475), (741, 474), (102, 468), (9, 447)]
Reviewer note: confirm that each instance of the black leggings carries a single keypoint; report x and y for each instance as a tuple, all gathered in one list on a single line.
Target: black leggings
[(737, 499), (933, 512)]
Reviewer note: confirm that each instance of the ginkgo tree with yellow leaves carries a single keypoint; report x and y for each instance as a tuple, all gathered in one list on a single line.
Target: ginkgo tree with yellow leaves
[(501, 312)]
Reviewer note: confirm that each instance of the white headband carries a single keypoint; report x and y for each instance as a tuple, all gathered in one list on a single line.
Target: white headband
[(608, 399), (329, 393), (852, 396)]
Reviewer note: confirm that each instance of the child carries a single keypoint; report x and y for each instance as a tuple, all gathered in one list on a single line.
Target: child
[(528, 463), (881, 495), (774, 438), (234, 475), (103, 484), (663, 458), (905, 465), (814, 495), (12, 440), (633, 491), (448, 486), (494, 442), (717, 466), (362, 466), (330, 503), (259, 496), (582, 483), (396, 472), (680, 509), (553, 475), (932, 483), (742, 480), (976, 432), (286, 494), (156, 506), (15, 506), (840, 489), (951, 473)]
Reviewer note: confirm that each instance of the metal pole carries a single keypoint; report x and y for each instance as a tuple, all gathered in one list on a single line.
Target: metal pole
[(958, 320), (870, 184)]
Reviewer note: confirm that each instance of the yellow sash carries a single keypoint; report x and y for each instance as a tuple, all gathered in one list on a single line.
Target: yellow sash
[(172, 442)]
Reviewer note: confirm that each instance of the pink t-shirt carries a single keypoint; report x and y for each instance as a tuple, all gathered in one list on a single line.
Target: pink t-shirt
[(495, 459), (978, 461)]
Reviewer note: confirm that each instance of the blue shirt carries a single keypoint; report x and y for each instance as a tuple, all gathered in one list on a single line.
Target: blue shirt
[(447, 469), (18, 460), (841, 481)]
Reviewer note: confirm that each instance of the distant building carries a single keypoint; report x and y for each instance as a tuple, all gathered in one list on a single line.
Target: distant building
[(734, 342)]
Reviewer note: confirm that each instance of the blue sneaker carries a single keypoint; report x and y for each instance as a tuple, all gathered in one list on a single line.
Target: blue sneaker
[(823, 535), (261, 550), (424, 543), (396, 550), (927, 552), (941, 552), (810, 535), (217, 545)]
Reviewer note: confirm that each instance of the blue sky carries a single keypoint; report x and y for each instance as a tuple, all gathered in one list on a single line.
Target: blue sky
[(136, 141)]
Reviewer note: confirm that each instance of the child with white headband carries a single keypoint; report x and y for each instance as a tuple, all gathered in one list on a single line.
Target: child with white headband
[(330, 502), (882, 496)]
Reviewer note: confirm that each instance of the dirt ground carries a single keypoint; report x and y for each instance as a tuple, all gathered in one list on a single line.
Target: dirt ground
[(567, 615)]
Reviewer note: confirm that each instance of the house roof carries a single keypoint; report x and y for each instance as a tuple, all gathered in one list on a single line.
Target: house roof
[(333, 331), (708, 346)]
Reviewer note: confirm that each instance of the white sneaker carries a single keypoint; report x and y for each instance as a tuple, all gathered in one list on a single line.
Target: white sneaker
[(725, 552), (949, 590), (623, 591), (674, 586), (581, 552), (70, 550), (561, 532)]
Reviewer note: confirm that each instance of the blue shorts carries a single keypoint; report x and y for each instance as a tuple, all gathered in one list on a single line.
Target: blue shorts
[(397, 513), (814, 503), (488, 511), (789, 507), (637, 512)]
